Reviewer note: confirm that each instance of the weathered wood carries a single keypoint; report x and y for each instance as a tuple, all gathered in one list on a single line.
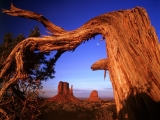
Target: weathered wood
[(5, 116), (133, 57), (100, 65), (14, 11), (133, 64)]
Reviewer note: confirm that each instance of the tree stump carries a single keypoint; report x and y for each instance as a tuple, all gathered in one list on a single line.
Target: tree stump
[(133, 64), (132, 50)]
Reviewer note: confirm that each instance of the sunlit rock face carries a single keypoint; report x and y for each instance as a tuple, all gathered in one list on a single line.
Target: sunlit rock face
[(94, 96), (65, 94)]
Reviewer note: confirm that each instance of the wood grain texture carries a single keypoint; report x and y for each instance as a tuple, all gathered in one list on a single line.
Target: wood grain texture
[(133, 56)]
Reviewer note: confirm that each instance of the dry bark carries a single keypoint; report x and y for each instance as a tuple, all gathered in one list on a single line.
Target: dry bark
[(132, 50), (5, 116)]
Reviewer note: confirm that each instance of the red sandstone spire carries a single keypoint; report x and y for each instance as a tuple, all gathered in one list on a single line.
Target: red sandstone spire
[(71, 90)]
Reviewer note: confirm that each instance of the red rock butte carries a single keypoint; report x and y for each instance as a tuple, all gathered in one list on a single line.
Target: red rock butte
[(94, 97), (65, 94)]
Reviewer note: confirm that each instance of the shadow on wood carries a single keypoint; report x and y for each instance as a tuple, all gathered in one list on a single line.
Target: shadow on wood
[(140, 107)]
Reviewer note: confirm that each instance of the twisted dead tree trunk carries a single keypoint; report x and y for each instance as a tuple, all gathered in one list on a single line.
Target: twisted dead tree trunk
[(133, 56)]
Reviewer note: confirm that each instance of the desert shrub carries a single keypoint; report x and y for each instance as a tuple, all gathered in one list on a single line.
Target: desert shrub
[(80, 111)]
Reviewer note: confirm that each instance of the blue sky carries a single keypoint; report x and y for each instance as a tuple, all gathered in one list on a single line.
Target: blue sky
[(74, 67)]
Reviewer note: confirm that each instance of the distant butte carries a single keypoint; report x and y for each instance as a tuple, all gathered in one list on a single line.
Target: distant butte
[(65, 94), (94, 97)]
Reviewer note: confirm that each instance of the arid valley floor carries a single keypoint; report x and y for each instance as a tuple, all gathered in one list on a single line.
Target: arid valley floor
[(83, 110)]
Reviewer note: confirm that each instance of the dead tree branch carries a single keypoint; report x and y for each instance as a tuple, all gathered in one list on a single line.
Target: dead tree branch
[(132, 50), (14, 11)]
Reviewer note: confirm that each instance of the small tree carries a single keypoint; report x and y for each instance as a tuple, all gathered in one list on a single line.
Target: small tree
[(21, 98), (132, 50)]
